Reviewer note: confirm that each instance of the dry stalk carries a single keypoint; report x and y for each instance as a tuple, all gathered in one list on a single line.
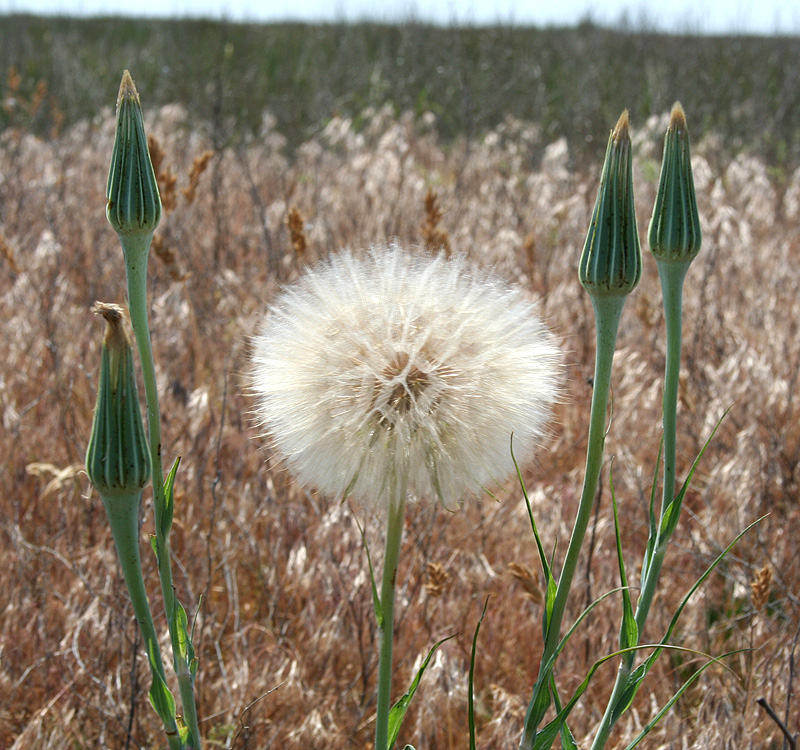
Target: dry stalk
[(199, 166), (167, 179), (8, 254), (529, 580), (166, 255), (437, 579), (433, 236), (760, 587), (297, 234)]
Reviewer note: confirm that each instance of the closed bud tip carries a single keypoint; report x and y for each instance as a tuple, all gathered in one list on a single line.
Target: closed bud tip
[(622, 129), (134, 203), (611, 263), (674, 234)]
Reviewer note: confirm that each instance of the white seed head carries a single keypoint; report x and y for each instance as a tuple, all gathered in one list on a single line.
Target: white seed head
[(393, 366)]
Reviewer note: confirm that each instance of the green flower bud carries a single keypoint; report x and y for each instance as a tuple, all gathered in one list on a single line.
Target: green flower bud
[(611, 263), (134, 203), (118, 458), (674, 234)]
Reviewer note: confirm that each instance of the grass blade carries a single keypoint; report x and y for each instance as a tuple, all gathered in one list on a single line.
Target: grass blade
[(376, 599), (399, 709), (471, 692), (683, 688)]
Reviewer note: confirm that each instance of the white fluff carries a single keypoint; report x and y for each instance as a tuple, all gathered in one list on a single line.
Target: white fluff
[(400, 369)]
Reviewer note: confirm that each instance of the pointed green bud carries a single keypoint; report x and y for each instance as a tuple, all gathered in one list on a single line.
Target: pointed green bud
[(117, 459), (134, 203), (674, 234), (611, 263)]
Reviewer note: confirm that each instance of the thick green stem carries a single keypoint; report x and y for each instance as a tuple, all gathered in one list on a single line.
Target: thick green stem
[(123, 516), (394, 535), (136, 265), (608, 310), (136, 252), (672, 275)]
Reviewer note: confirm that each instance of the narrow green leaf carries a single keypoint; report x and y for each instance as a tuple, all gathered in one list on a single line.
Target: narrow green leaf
[(625, 700), (652, 535), (184, 642), (542, 556), (550, 583), (398, 710), (567, 738), (671, 517), (629, 631), (549, 601), (652, 658), (638, 675), (376, 599), (169, 499), (161, 699), (471, 693), (193, 660), (546, 736), (563, 642), (672, 512), (540, 701), (660, 715)]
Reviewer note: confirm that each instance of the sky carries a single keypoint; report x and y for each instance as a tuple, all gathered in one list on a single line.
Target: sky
[(705, 16)]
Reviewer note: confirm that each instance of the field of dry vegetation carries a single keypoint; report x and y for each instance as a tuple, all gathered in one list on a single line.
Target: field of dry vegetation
[(285, 631)]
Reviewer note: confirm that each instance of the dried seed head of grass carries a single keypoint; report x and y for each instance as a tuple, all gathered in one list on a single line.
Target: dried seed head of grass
[(390, 364)]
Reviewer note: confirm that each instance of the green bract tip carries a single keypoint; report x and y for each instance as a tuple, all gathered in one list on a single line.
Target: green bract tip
[(117, 459), (134, 203), (611, 263), (674, 234)]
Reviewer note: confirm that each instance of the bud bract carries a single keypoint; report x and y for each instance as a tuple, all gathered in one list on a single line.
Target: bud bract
[(611, 263), (134, 203), (674, 234), (117, 459)]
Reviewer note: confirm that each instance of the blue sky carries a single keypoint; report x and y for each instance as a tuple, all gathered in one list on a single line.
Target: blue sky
[(711, 16)]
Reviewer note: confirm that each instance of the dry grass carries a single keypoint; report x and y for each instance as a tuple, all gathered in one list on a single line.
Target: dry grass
[(285, 632)]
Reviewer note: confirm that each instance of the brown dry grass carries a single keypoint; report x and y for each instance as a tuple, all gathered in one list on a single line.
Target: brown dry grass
[(282, 574)]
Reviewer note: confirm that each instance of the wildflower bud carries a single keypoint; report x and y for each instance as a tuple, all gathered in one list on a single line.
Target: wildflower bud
[(118, 459), (674, 234), (611, 263), (134, 203)]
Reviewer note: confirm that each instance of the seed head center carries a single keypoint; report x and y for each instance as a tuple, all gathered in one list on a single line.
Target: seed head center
[(406, 392), (400, 388)]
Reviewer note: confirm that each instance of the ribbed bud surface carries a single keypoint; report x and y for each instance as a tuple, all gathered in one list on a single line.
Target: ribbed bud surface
[(611, 263), (117, 459), (134, 203), (674, 234)]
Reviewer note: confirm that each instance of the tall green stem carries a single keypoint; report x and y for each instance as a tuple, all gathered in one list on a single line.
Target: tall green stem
[(608, 310), (672, 275), (123, 516), (136, 253), (394, 535), (136, 266)]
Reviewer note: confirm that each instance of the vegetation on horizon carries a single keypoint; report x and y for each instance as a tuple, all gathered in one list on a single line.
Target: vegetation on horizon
[(570, 81)]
